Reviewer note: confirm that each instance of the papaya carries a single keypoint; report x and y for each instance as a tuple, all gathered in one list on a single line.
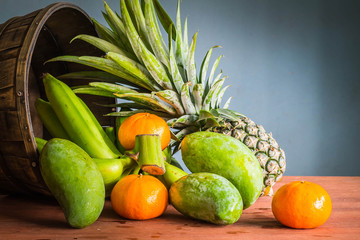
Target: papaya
[(74, 180), (208, 197), (226, 156)]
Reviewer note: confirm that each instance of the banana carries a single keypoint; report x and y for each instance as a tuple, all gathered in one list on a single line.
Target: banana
[(78, 121), (49, 119)]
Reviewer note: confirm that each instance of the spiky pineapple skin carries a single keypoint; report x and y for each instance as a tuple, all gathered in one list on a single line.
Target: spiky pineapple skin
[(271, 157)]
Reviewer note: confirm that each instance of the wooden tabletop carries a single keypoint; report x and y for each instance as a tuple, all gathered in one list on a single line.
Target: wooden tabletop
[(41, 218)]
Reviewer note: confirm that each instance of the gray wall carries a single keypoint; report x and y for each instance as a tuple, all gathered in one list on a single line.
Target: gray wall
[(294, 67)]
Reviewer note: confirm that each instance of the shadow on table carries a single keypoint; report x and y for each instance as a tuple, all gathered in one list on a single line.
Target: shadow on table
[(34, 210)]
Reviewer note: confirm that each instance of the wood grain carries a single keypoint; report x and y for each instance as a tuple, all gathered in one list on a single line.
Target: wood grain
[(42, 218)]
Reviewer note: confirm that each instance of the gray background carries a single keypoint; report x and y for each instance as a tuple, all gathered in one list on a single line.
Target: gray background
[(294, 67)]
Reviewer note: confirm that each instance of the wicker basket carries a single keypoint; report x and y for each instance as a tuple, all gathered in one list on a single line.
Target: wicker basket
[(26, 42)]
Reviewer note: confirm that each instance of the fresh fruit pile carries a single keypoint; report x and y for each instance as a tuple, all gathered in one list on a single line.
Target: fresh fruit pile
[(158, 75), (169, 108)]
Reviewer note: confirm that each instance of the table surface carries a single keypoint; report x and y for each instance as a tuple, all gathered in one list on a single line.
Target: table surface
[(41, 218)]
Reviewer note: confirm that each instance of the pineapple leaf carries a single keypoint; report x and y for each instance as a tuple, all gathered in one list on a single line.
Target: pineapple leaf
[(154, 34), (220, 96), (213, 69), (172, 98), (118, 24), (93, 76), (149, 101), (103, 45), (228, 114), (186, 99), (185, 41), (93, 91), (183, 121), (123, 105), (111, 87), (180, 51), (211, 95), (211, 123), (130, 113), (227, 103), (190, 63), (134, 68), (165, 19), (203, 114), (107, 34), (174, 70), (185, 131), (140, 20), (205, 65), (154, 66), (198, 91)]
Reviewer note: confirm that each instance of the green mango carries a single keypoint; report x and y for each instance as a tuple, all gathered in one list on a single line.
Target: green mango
[(74, 180), (226, 156), (208, 197)]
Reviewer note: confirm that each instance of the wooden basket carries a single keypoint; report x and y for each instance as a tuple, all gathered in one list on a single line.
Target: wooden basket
[(26, 42)]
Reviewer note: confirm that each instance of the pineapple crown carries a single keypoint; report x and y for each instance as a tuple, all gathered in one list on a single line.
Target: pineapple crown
[(151, 75)]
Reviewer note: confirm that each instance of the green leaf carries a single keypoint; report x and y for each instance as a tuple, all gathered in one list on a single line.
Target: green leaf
[(106, 34), (205, 65), (220, 96), (183, 121), (93, 91), (154, 34), (118, 24), (228, 114), (155, 67), (149, 101), (165, 19), (203, 115), (103, 45), (186, 99), (130, 113), (134, 68), (190, 63), (198, 91), (111, 87), (172, 98), (211, 95), (174, 70), (227, 103)]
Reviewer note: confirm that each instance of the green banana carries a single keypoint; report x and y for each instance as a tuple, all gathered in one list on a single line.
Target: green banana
[(49, 119), (40, 143), (78, 121)]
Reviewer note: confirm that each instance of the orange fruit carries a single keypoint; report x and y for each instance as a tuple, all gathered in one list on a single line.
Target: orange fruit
[(301, 204), (139, 197), (143, 123)]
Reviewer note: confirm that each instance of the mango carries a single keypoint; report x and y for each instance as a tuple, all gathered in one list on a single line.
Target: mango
[(74, 180), (226, 156), (208, 197)]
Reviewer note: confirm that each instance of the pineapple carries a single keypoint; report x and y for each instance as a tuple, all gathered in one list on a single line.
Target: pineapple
[(149, 75)]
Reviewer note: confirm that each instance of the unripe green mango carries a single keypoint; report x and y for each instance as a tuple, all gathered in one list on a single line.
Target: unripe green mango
[(207, 196), (74, 180), (226, 156)]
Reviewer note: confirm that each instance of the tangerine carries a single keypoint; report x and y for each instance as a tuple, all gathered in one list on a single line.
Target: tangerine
[(139, 197), (301, 204), (143, 123)]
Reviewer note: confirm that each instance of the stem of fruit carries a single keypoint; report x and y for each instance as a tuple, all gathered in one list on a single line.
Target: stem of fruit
[(172, 174), (147, 152)]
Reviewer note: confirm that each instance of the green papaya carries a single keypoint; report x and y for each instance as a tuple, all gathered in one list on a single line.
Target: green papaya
[(208, 197), (74, 180), (226, 156)]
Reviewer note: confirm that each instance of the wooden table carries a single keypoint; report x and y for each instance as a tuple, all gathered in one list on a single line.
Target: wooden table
[(41, 218)]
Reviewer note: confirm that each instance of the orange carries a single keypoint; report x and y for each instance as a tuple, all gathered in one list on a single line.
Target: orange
[(301, 204), (143, 123), (139, 197)]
